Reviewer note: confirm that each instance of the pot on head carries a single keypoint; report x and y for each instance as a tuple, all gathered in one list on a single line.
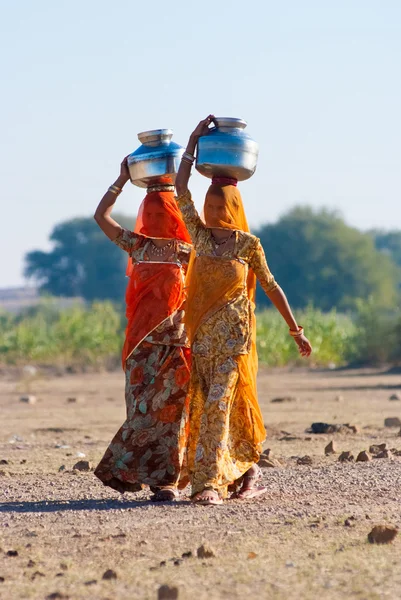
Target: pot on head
[(156, 161), (227, 150)]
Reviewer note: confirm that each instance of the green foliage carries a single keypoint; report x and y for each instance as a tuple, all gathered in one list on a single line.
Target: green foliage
[(319, 259), (86, 335), (82, 263), (389, 243), (331, 335), (93, 335), (377, 337)]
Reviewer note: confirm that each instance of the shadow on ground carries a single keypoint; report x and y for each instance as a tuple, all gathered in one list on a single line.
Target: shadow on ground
[(49, 506)]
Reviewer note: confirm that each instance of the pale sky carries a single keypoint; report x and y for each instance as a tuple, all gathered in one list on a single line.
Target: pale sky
[(318, 81)]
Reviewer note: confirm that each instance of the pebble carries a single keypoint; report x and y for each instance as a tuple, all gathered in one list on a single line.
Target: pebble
[(376, 448), (363, 457), (28, 399), (82, 465), (330, 449), (166, 592), (384, 454), (382, 534), (346, 456), (284, 399), (304, 460), (205, 551), (392, 422), (395, 397), (109, 574)]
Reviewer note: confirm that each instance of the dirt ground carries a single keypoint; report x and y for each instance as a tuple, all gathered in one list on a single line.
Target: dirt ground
[(306, 539)]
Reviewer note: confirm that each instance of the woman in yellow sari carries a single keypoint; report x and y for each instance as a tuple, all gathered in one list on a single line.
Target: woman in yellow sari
[(226, 424)]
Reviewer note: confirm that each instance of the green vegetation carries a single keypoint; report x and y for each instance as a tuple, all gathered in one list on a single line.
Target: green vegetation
[(89, 336), (93, 336)]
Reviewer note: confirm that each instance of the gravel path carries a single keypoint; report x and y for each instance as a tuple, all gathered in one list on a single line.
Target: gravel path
[(306, 539)]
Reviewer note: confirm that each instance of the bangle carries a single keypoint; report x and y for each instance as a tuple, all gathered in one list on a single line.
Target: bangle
[(114, 189), (298, 332), (188, 157)]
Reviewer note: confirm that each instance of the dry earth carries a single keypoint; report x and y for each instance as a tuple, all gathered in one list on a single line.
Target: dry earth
[(292, 544)]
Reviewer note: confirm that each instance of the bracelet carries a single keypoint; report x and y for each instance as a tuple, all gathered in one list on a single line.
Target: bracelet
[(297, 333), (114, 189), (190, 158)]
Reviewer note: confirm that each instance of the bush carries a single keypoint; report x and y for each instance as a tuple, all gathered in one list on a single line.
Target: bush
[(332, 337)]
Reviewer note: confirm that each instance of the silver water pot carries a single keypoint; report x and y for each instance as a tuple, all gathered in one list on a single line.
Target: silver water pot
[(227, 150), (156, 160)]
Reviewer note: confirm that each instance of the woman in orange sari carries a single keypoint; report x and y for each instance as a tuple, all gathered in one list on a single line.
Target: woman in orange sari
[(226, 424), (149, 448)]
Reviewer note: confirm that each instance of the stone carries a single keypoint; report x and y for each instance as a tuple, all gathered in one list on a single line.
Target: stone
[(205, 551), (57, 596), (284, 399), (346, 456), (2, 579), (266, 463), (187, 554), (384, 454), (376, 448), (75, 400), (36, 575), (251, 555), (3, 461), (4, 473), (28, 399), (91, 582), (392, 422), (304, 460), (61, 468), (395, 397), (330, 448), (31, 563), (166, 592), (382, 534), (109, 574), (353, 428), (82, 465), (12, 553), (395, 452), (363, 457)]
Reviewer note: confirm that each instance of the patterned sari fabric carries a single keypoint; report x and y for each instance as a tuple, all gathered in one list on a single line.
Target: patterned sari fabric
[(149, 448), (226, 424)]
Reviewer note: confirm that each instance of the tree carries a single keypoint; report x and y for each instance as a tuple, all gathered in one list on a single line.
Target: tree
[(318, 259), (389, 242), (82, 263)]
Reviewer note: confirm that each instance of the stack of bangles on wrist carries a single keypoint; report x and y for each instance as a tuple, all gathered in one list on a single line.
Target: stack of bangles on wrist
[(114, 189), (189, 158), (297, 333)]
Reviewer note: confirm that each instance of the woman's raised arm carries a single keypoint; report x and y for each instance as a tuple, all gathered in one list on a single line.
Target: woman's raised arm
[(102, 214)]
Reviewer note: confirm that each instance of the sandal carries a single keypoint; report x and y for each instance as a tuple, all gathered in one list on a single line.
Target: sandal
[(207, 497), (248, 488), (164, 494)]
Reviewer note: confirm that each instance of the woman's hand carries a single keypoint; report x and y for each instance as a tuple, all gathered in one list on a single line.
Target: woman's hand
[(304, 345), (202, 128), (124, 172)]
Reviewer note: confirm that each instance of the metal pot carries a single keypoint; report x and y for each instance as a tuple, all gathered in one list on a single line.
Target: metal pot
[(227, 151), (156, 160)]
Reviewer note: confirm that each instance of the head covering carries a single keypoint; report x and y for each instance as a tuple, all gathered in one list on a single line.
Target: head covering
[(175, 227), (233, 215), (154, 290)]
